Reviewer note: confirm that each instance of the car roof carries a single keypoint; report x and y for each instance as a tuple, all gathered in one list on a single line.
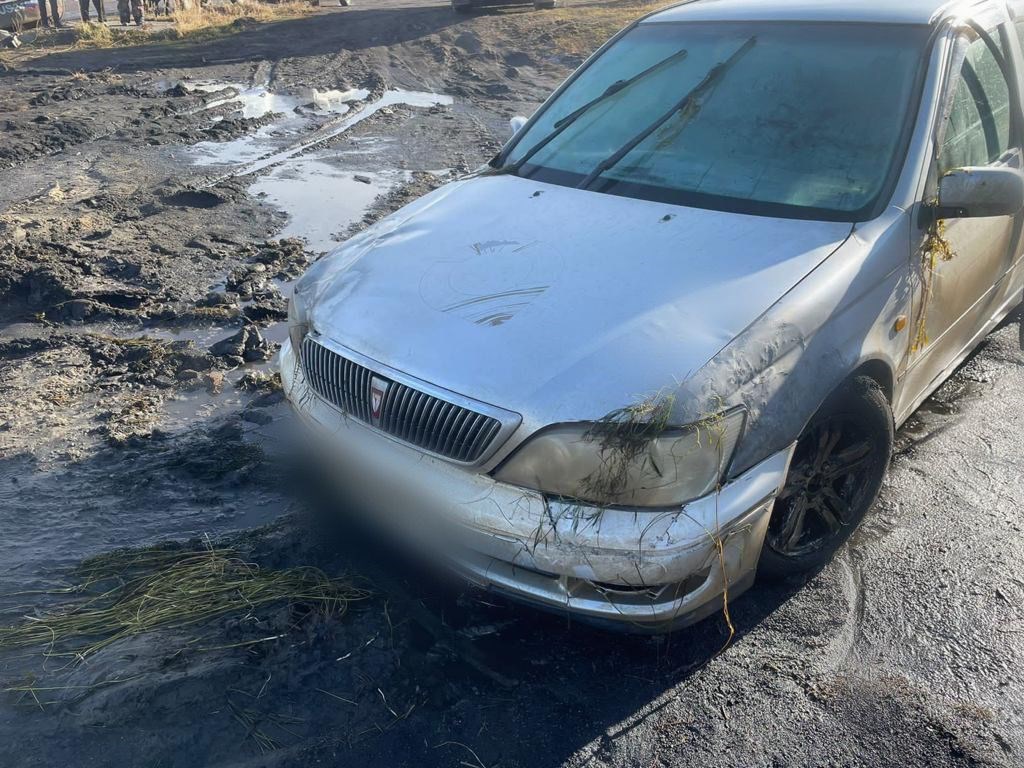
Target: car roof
[(877, 11)]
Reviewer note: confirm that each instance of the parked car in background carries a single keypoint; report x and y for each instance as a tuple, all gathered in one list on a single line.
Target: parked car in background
[(661, 344), (16, 15)]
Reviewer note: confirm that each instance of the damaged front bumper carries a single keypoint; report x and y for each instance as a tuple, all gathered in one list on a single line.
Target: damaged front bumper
[(654, 569)]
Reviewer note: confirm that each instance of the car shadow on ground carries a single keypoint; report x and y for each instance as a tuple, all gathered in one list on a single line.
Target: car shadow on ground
[(541, 685)]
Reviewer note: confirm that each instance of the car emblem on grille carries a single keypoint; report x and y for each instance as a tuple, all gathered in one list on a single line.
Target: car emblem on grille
[(378, 388)]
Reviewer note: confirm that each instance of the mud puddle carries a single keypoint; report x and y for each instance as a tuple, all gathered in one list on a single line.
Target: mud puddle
[(279, 140), (938, 413), (259, 100), (320, 192), (321, 200)]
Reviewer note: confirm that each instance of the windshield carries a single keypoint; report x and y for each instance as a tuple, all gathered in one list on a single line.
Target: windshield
[(797, 120)]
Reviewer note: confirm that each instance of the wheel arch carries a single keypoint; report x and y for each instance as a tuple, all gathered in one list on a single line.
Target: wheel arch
[(878, 370)]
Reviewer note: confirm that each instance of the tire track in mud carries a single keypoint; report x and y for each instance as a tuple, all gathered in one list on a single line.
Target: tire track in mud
[(841, 650)]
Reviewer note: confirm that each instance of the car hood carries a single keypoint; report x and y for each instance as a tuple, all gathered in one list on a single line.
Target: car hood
[(558, 303)]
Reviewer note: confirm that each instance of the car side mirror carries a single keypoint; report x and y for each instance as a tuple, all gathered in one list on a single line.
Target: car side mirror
[(979, 192), (517, 123)]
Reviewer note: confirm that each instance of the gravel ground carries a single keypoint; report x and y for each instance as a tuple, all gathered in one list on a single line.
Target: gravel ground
[(138, 229)]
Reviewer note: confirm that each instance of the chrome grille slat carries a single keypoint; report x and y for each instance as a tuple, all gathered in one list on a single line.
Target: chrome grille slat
[(406, 413), (431, 419), (442, 418), (451, 434), (389, 411), (338, 381), (468, 436), (385, 409), (344, 387), (459, 443), (402, 412), (345, 384), (484, 436), (472, 437), (445, 422), (460, 438), (362, 393), (415, 407)]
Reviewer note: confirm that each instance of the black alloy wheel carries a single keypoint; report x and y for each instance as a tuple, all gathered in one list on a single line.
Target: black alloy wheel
[(834, 478)]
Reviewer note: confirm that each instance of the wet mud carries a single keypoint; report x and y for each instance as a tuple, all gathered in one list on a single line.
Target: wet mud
[(156, 207)]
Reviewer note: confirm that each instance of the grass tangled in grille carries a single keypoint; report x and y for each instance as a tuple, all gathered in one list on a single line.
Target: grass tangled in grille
[(130, 592)]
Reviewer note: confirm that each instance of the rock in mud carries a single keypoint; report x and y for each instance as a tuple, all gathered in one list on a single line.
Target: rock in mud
[(259, 381), (257, 416), (248, 345), (134, 422), (269, 306), (217, 299), (214, 382)]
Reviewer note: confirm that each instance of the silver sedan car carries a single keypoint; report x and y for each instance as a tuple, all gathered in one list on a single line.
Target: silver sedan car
[(660, 344)]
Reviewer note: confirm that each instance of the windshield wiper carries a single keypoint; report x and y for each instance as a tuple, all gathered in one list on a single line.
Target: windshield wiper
[(689, 105), (564, 122)]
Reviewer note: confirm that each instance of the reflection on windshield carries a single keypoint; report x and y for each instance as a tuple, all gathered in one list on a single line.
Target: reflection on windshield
[(807, 122), (618, 86), (682, 112)]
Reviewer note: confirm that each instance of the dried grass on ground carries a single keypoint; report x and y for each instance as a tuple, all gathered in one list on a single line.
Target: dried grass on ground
[(131, 592), (579, 31), (92, 34), (195, 23), (212, 20)]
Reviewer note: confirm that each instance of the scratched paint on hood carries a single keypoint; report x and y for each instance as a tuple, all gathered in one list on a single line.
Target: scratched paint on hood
[(472, 282), (492, 290)]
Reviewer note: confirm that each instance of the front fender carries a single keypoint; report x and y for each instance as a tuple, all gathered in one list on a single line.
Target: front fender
[(787, 363)]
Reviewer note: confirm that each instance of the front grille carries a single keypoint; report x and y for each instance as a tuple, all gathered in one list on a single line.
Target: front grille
[(428, 422)]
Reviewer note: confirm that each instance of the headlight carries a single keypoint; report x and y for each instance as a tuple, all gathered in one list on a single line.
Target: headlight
[(298, 322), (623, 464)]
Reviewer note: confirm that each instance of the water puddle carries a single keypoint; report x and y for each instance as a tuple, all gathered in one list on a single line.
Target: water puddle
[(321, 200), (276, 142), (300, 110), (322, 195), (185, 408), (257, 100)]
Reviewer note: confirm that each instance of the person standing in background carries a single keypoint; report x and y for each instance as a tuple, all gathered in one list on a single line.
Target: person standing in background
[(128, 9), (101, 14), (44, 17)]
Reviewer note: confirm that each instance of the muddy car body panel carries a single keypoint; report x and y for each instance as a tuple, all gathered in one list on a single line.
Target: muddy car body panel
[(561, 305)]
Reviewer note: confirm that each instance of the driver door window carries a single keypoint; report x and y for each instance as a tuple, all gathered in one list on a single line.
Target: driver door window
[(979, 127), (960, 262)]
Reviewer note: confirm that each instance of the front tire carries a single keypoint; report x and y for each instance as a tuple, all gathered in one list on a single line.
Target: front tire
[(834, 479)]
